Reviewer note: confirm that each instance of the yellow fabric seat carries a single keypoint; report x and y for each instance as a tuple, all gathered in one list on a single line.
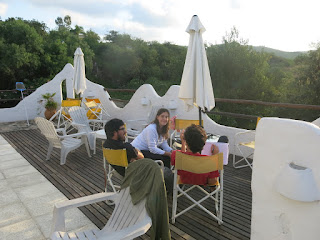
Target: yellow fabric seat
[(244, 143), (93, 106), (64, 119), (116, 157), (95, 109), (181, 124)]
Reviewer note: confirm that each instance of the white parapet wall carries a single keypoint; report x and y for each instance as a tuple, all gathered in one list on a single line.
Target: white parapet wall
[(32, 104), (286, 181), (138, 107)]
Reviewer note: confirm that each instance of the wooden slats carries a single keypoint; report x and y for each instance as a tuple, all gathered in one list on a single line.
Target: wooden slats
[(82, 176)]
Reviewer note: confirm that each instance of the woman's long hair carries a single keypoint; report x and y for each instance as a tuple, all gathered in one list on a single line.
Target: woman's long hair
[(164, 131)]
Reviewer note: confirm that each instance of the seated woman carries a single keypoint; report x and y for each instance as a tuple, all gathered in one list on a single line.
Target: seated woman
[(152, 141), (193, 140)]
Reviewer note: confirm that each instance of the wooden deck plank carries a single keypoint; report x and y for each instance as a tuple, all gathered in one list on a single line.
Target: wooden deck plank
[(82, 176)]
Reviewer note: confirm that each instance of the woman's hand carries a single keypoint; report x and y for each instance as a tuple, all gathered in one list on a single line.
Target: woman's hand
[(167, 154)]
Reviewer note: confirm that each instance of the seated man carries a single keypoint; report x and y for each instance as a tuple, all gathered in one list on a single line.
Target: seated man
[(193, 140), (116, 135)]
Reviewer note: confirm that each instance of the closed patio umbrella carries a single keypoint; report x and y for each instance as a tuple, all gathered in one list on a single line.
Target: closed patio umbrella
[(196, 86), (79, 76)]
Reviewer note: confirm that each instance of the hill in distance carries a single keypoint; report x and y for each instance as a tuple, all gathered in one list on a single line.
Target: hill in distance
[(278, 53)]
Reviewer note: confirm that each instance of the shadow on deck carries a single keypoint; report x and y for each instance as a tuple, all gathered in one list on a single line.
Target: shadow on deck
[(82, 176)]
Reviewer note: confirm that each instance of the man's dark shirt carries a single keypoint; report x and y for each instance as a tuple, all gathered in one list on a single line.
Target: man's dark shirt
[(117, 144)]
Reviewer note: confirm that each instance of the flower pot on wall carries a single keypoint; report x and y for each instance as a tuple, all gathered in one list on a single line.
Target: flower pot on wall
[(49, 113)]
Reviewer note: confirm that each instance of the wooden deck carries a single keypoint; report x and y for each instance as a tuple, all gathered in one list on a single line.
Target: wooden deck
[(82, 176)]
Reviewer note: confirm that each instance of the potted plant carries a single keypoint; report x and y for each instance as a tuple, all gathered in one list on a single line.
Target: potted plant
[(50, 105)]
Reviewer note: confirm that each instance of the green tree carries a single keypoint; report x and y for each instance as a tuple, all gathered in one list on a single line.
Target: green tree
[(21, 51), (237, 70)]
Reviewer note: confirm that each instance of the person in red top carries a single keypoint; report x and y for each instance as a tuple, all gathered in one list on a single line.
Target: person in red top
[(193, 139)]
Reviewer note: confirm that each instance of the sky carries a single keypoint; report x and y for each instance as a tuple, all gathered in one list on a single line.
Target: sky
[(287, 25)]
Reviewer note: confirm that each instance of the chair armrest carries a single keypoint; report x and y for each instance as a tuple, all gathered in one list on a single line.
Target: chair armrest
[(135, 120), (160, 164), (243, 137), (248, 132), (63, 130), (58, 223), (98, 121), (74, 135), (78, 124)]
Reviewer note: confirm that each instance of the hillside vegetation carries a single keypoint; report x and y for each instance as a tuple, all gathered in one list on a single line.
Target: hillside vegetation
[(278, 53), (34, 54)]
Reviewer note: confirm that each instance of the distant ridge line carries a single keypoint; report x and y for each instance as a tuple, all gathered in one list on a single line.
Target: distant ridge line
[(279, 53)]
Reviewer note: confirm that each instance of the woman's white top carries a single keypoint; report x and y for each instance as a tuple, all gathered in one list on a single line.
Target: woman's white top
[(149, 139)]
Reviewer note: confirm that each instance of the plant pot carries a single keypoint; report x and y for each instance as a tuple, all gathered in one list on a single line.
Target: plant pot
[(49, 113)]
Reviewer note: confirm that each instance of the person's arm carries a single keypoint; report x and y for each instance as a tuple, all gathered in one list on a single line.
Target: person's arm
[(139, 154), (133, 153), (167, 154), (152, 140), (165, 146), (183, 142)]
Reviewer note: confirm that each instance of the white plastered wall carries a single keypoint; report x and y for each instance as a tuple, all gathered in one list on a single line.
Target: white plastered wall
[(280, 142), (133, 110), (32, 105)]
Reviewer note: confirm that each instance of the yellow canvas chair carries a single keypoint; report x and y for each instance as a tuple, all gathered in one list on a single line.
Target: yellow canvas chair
[(181, 124), (198, 165), (95, 108), (244, 142), (64, 119), (116, 157)]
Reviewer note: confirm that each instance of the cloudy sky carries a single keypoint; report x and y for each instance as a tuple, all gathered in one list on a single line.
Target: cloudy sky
[(288, 25)]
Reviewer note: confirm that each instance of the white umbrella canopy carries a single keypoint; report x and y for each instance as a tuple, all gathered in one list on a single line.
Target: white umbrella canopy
[(79, 76), (196, 86)]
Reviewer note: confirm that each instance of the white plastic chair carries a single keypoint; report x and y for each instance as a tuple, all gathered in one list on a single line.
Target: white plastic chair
[(244, 142), (198, 165), (135, 126), (82, 123), (127, 221), (65, 142)]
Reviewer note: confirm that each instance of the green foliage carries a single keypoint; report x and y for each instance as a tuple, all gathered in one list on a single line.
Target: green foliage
[(32, 53), (21, 50), (49, 102)]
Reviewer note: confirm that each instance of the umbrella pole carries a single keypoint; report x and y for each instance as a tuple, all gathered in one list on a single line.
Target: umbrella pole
[(200, 117)]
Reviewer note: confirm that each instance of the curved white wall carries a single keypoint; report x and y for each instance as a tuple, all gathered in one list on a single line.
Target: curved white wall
[(133, 110), (280, 142)]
